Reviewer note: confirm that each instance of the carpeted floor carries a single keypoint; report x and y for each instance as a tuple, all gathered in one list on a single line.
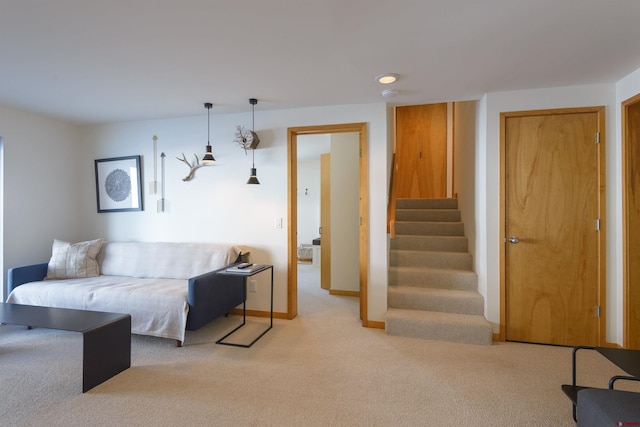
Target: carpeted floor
[(319, 369)]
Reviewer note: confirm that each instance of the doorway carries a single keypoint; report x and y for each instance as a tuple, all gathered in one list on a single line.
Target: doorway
[(328, 205), (363, 266), (553, 255), (631, 220)]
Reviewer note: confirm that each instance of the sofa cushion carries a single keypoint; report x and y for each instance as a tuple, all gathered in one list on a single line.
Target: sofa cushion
[(169, 260), (74, 260), (606, 407)]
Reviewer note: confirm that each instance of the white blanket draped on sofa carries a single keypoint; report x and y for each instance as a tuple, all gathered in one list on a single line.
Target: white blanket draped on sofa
[(149, 281)]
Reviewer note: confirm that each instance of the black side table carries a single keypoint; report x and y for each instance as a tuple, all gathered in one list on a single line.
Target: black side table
[(625, 359), (253, 270)]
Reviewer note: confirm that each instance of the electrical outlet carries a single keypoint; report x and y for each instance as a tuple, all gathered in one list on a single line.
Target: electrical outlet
[(252, 286)]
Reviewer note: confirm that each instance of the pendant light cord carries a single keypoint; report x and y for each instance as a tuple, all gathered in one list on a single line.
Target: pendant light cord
[(253, 128)]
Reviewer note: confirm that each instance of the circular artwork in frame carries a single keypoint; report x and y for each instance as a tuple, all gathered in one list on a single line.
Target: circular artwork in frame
[(118, 184)]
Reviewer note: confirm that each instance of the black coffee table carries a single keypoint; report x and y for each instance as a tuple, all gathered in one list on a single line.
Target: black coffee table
[(106, 336)]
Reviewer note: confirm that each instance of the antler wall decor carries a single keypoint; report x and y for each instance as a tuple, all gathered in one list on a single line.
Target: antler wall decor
[(192, 168)]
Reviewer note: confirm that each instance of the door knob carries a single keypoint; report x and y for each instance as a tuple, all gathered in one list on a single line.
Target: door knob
[(514, 239)]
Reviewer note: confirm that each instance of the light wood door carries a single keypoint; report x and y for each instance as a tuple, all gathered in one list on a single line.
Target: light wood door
[(325, 221), (552, 261), (631, 154), (421, 151)]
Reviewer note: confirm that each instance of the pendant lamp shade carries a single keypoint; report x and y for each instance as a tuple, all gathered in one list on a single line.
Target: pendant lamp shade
[(208, 158), (253, 179)]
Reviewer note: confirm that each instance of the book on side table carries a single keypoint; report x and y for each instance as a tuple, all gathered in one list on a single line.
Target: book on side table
[(244, 268)]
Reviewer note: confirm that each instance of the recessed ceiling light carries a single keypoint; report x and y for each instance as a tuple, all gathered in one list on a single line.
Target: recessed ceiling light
[(387, 78)]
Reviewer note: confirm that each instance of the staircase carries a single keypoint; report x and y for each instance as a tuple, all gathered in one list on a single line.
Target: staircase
[(433, 290)]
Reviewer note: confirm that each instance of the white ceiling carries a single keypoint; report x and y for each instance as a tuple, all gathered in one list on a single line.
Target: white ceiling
[(117, 60)]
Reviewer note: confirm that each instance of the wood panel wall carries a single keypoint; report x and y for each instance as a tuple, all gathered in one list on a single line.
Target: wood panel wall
[(421, 151)]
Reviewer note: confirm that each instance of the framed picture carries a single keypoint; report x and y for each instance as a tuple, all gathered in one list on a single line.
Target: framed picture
[(118, 184)]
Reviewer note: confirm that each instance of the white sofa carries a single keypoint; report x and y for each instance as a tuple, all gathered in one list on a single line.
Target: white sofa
[(165, 287)]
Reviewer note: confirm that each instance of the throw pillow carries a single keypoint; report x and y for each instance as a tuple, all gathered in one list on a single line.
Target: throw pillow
[(74, 260)]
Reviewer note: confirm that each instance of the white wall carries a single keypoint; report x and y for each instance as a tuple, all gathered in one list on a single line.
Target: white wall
[(481, 214), (41, 184), (488, 204), (308, 200), (464, 146), (2, 276), (309, 149), (217, 205), (49, 185), (345, 207)]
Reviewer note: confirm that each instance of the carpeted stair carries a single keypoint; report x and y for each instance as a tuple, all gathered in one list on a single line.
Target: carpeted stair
[(433, 290)]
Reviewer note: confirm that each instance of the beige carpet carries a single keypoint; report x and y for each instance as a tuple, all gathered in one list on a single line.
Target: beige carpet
[(319, 369)]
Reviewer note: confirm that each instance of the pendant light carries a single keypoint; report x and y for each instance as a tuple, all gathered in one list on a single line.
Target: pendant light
[(208, 155), (253, 179)]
